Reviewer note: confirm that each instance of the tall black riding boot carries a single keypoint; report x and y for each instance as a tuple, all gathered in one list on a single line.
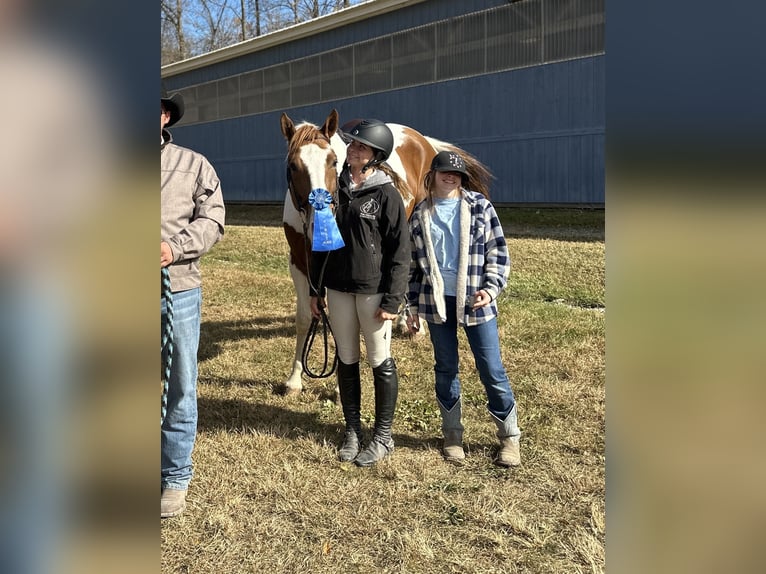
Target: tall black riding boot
[(386, 391), (350, 398)]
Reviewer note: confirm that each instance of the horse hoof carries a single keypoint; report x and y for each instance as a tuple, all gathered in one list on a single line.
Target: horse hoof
[(292, 392)]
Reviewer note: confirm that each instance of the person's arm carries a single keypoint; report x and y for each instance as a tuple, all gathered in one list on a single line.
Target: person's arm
[(207, 224), (415, 277), (395, 245), (497, 262)]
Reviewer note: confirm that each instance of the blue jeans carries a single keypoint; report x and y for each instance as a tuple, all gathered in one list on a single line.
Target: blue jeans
[(180, 426), (485, 345)]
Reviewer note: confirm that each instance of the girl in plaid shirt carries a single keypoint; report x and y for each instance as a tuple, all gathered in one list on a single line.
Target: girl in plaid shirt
[(459, 266)]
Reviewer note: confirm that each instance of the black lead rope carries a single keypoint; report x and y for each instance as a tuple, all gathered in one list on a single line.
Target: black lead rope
[(314, 327), (326, 334), (310, 336)]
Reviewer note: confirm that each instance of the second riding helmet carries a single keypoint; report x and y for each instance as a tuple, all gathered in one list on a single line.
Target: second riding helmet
[(375, 134), (449, 161)]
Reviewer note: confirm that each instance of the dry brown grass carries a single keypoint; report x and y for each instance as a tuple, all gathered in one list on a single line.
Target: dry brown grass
[(269, 494)]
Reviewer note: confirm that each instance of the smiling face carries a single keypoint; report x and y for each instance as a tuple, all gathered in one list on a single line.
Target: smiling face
[(446, 183), (358, 155)]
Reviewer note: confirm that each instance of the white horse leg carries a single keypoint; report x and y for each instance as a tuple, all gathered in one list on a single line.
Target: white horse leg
[(294, 383)]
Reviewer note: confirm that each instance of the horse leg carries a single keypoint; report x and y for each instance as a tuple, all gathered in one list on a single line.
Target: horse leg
[(294, 383), (400, 323)]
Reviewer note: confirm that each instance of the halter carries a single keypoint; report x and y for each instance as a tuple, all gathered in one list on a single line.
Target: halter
[(300, 206)]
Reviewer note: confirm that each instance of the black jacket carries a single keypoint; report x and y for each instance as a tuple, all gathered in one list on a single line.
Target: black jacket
[(376, 257)]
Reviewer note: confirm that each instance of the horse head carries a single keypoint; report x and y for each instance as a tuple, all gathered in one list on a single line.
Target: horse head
[(313, 160)]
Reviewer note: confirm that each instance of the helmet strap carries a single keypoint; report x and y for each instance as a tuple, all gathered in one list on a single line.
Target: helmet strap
[(377, 160)]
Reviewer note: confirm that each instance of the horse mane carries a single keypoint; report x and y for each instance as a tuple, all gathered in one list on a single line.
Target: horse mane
[(305, 133), (479, 176)]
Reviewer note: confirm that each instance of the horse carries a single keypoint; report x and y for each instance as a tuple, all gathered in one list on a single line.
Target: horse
[(315, 157)]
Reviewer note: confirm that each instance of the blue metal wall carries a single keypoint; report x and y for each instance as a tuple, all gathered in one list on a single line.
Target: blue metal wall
[(539, 129), (409, 17)]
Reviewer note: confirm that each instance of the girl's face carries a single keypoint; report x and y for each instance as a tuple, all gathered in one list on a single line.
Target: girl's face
[(446, 182), (358, 154)]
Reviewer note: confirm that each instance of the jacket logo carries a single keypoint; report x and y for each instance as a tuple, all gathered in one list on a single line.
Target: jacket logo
[(369, 209)]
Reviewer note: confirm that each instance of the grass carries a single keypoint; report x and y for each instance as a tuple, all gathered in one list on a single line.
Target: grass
[(269, 494)]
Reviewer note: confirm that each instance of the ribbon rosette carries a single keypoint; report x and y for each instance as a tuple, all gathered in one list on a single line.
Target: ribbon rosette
[(326, 233)]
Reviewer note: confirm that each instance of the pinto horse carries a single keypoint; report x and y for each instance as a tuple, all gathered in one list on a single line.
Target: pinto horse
[(315, 157)]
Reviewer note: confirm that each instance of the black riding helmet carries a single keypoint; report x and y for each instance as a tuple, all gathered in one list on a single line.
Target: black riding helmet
[(373, 133), (449, 161)]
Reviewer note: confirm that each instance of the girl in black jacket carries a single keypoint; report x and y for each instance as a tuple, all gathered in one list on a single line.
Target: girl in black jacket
[(364, 283)]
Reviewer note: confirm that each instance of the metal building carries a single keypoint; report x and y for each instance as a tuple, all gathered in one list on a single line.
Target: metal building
[(519, 84)]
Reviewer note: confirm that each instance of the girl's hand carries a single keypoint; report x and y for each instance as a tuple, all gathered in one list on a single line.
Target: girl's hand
[(481, 299), (316, 304), (413, 323), (382, 315)]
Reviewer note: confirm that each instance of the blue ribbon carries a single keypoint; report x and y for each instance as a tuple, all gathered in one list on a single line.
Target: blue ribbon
[(326, 233)]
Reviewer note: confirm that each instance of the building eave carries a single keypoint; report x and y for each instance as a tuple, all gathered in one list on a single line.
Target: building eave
[(324, 23)]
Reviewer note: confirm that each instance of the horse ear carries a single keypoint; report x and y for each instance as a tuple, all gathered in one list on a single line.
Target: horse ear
[(330, 124), (288, 127)]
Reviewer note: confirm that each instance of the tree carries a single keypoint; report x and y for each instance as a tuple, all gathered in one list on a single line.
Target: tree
[(192, 27), (215, 24), (172, 31)]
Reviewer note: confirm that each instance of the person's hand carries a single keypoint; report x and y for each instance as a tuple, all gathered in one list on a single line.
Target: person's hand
[(317, 303), (413, 323), (166, 254), (383, 315), (481, 299)]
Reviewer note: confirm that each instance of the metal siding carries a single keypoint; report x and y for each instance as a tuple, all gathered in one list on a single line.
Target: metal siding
[(539, 129), (389, 23)]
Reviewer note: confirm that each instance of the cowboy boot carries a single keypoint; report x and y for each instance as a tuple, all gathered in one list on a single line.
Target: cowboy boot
[(172, 502), (350, 389), (508, 432), (386, 391), (452, 429)]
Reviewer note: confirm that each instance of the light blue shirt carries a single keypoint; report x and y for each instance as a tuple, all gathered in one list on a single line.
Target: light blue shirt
[(445, 233)]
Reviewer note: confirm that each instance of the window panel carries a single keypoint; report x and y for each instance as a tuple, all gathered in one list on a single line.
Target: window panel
[(413, 56)]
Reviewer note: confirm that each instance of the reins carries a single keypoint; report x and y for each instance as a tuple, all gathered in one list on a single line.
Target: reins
[(166, 345), (328, 366), (326, 329), (315, 323), (326, 334)]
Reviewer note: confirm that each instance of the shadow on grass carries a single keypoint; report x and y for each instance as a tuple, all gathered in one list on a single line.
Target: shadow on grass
[(561, 223), (244, 415), (267, 215), (214, 333)]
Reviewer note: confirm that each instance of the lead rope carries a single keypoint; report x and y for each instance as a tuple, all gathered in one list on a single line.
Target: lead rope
[(166, 346), (326, 334)]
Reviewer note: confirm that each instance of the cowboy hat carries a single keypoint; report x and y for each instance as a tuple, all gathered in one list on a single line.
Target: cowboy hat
[(174, 104)]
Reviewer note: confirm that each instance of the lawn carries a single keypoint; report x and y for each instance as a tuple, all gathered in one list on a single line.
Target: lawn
[(269, 494)]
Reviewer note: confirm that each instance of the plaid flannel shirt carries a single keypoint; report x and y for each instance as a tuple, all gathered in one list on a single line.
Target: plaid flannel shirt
[(483, 262)]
